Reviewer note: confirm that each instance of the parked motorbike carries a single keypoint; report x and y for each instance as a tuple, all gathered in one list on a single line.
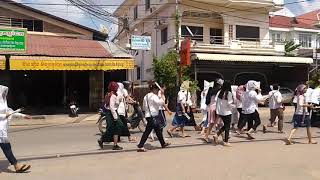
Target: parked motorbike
[(73, 111), (135, 120)]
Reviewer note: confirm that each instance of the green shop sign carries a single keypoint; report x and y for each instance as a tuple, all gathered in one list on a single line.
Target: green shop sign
[(13, 40)]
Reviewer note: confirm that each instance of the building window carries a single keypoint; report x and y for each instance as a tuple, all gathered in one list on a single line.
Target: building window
[(135, 12), (247, 33), (30, 25), (193, 32), (138, 73), (276, 37), (164, 36), (216, 36), (147, 4), (305, 40)]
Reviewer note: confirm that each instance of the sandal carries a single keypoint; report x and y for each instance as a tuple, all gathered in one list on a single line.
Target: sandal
[(313, 142), (289, 142), (169, 133), (23, 168), (250, 137), (141, 150)]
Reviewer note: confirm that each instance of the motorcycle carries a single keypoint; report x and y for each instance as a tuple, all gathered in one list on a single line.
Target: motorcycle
[(73, 111), (135, 120)]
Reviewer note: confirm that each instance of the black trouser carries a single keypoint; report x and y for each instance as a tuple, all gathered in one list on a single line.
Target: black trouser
[(146, 133), (250, 118), (6, 148), (240, 117), (226, 127)]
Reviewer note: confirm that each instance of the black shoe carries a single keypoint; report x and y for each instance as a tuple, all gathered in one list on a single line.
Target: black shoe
[(117, 148), (100, 144), (166, 145)]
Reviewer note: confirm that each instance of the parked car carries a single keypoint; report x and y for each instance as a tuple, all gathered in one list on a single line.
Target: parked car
[(287, 97)]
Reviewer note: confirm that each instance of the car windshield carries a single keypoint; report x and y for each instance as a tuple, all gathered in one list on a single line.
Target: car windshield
[(285, 91)]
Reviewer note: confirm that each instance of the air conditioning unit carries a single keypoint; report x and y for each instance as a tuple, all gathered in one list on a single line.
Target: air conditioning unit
[(152, 9)]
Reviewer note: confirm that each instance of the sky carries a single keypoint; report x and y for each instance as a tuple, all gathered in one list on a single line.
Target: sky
[(73, 14)]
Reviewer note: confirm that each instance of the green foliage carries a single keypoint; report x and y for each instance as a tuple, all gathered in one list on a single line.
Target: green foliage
[(290, 46), (314, 80)]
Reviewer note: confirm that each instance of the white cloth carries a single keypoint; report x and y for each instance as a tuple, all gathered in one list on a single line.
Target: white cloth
[(204, 93), (308, 95), (250, 101), (122, 95), (275, 99), (4, 110), (182, 98), (113, 106), (225, 106), (163, 98), (315, 95), (154, 104), (302, 100)]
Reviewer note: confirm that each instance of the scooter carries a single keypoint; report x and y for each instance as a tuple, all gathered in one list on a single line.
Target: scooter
[(135, 120), (73, 109)]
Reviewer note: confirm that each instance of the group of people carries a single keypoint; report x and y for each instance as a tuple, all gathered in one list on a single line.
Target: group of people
[(224, 107)]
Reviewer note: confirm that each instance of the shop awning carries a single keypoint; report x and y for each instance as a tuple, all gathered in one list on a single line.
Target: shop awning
[(2, 63), (250, 58), (69, 63)]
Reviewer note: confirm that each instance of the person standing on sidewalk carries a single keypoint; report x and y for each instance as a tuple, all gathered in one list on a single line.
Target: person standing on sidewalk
[(225, 105), (5, 116), (114, 124), (250, 101), (151, 106), (301, 115), (276, 108)]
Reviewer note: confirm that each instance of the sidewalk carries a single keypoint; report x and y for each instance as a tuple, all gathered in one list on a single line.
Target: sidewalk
[(52, 119)]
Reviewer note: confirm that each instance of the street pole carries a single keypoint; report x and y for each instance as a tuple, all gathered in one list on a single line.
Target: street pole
[(177, 23)]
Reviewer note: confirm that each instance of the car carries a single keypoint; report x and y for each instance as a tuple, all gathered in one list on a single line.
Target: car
[(287, 97)]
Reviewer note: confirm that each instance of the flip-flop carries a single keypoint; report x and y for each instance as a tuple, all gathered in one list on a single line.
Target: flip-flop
[(250, 137), (313, 142), (206, 140), (141, 150), (169, 133), (23, 168), (288, 142)]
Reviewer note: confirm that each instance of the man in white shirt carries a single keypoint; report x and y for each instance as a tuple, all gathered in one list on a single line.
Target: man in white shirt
[(276, 108)]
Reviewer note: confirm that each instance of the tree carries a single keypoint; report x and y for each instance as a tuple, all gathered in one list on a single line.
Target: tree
[(290, 47)]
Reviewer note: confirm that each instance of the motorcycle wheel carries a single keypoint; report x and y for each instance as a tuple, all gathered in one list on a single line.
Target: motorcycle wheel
[(142, 126), (102, 126)]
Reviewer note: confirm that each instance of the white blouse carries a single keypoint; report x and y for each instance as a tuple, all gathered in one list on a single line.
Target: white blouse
[(113, 106), (154, 104), (4, 124)]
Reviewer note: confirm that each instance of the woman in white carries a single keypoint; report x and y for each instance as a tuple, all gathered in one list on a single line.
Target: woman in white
[(151, 106), (225, 106), (203, 105), (5, 116)]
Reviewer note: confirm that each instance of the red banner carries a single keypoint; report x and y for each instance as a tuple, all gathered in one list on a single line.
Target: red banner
[(185, 53)]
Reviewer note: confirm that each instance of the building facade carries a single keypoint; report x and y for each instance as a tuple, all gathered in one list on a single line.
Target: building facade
[(230, 39), (62, 58)]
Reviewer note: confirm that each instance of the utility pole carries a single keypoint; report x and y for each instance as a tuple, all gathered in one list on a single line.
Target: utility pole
[(177, 24)]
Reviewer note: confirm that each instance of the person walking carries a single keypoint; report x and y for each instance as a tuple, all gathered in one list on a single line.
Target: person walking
[(225, 105), (5, 116), (124, 99), (239, 96), (151, 105), (211, 100), (114, 124), (204, 107), (250, 101), (301, 115), (276, 108)]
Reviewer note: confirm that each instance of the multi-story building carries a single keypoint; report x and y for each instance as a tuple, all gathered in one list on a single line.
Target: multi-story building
[(230, 39), (61, 57), (303, 29)]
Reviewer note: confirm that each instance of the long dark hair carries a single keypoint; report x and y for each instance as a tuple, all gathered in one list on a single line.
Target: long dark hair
[(225, 89), (212, 92)]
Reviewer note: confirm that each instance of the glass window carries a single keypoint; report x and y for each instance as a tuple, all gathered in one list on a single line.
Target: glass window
[(276, 37), (305, 40), (248, 33), (216, 36), (147, 4), (16, 22), (135, 12), (193, 32), (164, 36), (28, 24), (38, 26)]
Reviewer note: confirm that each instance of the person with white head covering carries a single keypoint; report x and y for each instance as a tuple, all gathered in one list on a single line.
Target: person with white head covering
[(122, 95), (5, 116), (250, 101), (203, 105)]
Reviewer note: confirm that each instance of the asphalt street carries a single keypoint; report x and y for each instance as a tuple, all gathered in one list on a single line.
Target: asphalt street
[(70, 151)]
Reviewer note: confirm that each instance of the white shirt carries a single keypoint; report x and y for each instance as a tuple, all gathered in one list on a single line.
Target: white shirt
[(163, 98), (315, 95), (182, 98), (203, 105), (250, 102), (154, 104), (308, 94), (113, 106), (300, 109), (225, 106), (275, 99)]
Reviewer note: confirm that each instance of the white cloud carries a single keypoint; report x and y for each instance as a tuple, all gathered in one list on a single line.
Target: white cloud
[(303, 6)]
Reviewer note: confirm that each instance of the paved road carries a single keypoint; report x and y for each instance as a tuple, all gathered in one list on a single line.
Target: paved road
[(70, 152)]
